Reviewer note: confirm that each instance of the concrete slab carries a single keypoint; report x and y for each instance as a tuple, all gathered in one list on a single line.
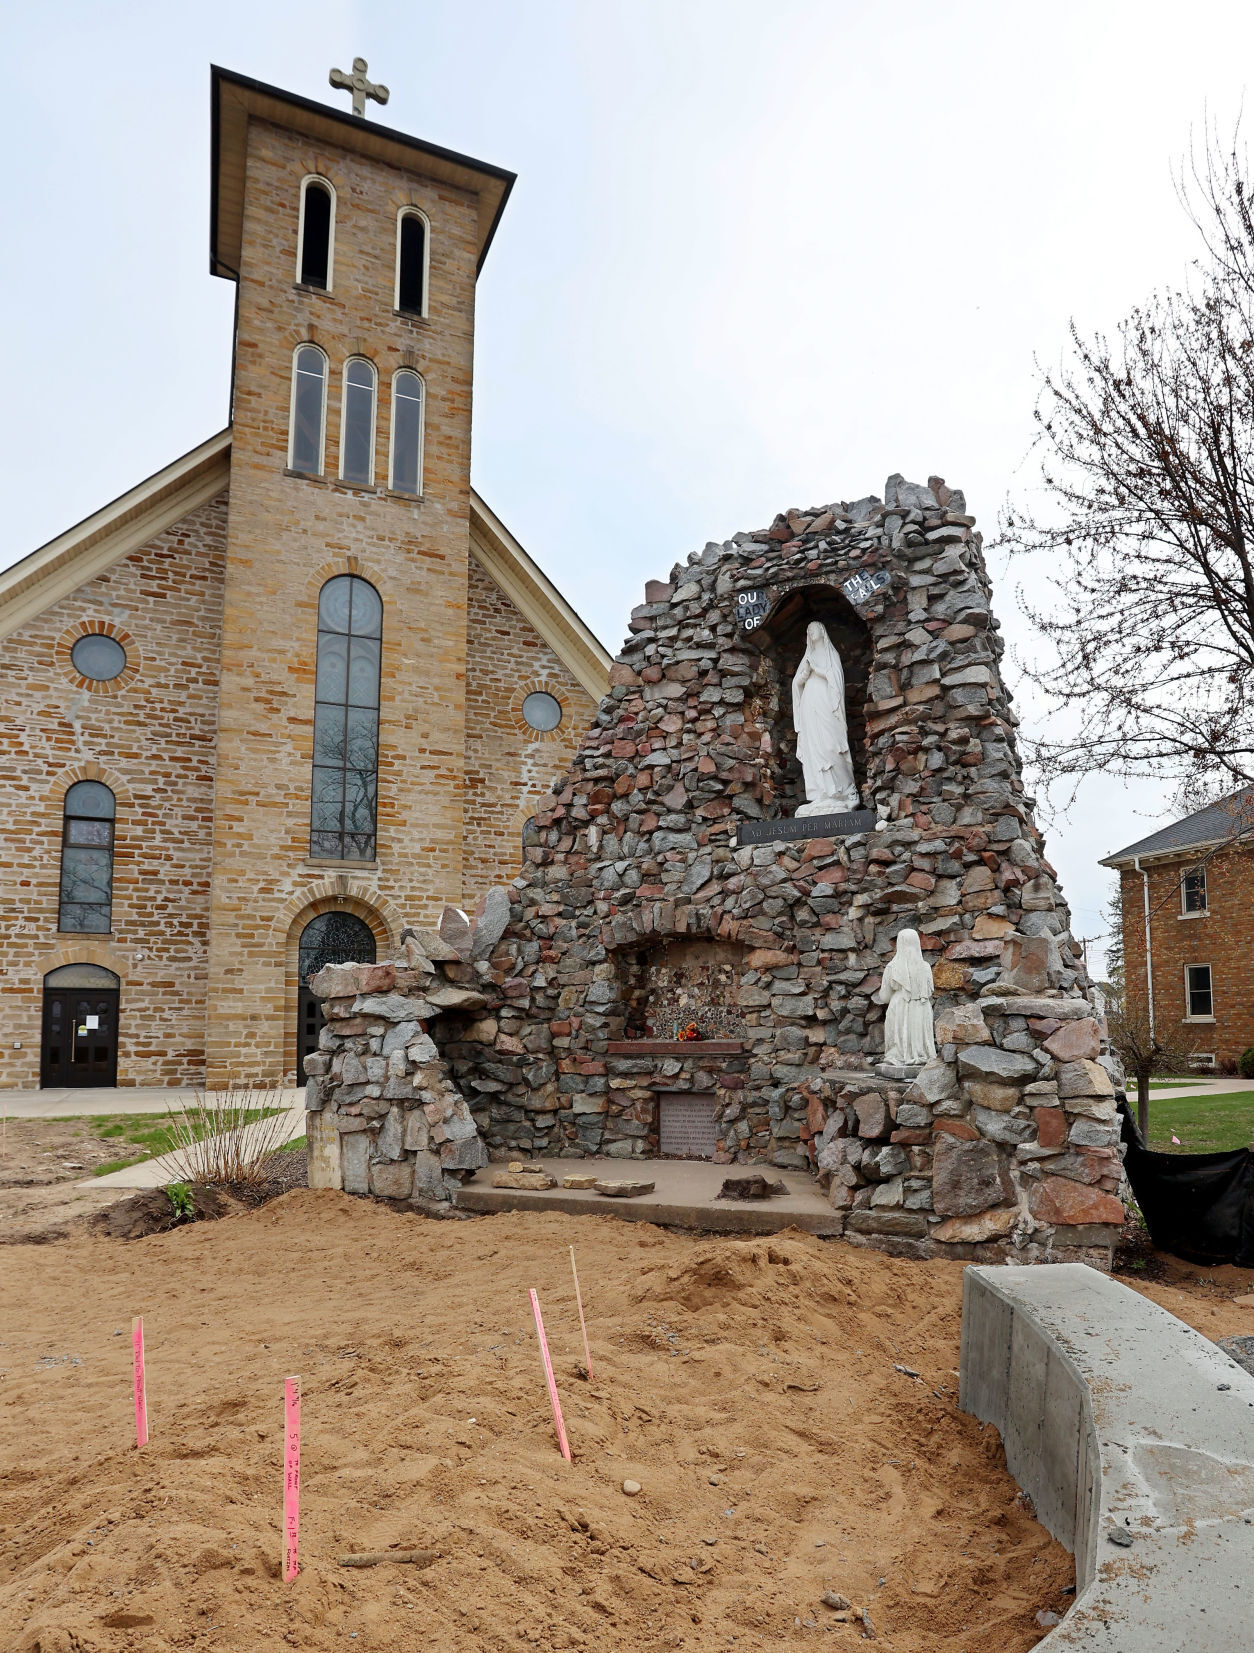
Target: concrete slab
[(683, 1196), (1134, 1436)]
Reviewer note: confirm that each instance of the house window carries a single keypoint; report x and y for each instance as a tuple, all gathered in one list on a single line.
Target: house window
[(309, 409), (357, 421), (412, 243), (1198, 999), (315, 241), (1193, 891), (346, 721), (87, 859), (405, 468)]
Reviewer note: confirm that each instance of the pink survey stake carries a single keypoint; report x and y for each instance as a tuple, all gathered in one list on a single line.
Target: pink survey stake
[(550, 1379), (587, 1353), (291, 1478), (141, 1389)]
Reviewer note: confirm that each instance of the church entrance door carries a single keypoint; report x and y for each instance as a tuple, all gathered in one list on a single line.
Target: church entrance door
[(80, 1027), (331, 938)]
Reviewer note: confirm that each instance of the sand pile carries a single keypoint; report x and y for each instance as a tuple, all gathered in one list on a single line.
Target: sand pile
[(754, 1388)]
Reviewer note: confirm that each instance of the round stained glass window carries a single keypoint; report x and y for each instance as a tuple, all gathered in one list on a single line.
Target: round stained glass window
[(98, 657), (542, 711)]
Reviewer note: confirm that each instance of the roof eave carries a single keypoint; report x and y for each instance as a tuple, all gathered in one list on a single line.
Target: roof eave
[(492, 184), (1176, 852)]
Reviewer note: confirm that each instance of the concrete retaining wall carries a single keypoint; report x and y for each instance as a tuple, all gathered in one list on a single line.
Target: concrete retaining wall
[(1134, 1436)]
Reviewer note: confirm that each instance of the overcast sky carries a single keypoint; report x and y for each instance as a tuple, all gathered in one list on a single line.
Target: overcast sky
[(757, 255)]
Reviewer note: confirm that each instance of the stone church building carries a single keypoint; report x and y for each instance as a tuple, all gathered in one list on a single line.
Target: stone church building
[(302, 686)]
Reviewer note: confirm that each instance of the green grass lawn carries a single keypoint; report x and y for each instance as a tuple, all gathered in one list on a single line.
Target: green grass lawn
[(1205, 1124), (151, 1134), (1174, 1084)]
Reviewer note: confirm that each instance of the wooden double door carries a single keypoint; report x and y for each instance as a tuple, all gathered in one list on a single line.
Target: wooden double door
[(80, 1036)]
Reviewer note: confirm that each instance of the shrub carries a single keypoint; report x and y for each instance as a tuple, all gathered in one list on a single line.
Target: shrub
[(227, 1137), (1245, 1063)]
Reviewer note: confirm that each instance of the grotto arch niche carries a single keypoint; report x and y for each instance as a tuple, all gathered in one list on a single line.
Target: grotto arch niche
[(679, 981), (781, 639)]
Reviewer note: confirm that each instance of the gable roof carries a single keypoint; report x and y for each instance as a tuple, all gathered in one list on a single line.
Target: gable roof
[(1228, 819), (61, 566), (537, 599), (29, 587), (235, 99)]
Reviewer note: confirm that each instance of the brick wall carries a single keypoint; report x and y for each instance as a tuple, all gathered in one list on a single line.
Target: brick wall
[(1223, 938), (287, 536), (509, 766), (151, 738)]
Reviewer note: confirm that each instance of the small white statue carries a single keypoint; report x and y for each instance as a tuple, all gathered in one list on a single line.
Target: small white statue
[(818, 714), (906, 988)]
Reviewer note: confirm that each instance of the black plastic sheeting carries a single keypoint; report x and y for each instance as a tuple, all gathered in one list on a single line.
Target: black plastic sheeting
[(1197, 1206)]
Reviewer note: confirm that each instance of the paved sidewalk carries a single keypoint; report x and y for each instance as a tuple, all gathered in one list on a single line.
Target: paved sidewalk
[(1206, 1087), (75, 1102)]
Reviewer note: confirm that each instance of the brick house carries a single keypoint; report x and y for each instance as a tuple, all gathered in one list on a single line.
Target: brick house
[(1187, 895), (302, 686)]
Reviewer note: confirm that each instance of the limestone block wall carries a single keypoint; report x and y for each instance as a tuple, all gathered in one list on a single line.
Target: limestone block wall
[(290, 534), (149, 735), (510, 767)]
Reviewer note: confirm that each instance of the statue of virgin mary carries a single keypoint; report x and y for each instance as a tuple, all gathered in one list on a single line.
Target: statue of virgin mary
[(818, 714)]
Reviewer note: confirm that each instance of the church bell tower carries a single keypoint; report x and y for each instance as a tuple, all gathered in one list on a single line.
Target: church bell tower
[(340, 771)]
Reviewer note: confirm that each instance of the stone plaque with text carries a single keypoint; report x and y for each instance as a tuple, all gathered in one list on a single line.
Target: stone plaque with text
[(807, 826)]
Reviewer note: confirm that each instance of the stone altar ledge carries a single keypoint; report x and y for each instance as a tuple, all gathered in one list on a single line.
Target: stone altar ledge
[(674, 1047)]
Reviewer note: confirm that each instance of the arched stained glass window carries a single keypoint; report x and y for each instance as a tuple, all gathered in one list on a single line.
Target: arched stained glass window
[(357, 421), (412, 243), (408, 399), (346, 721), (317, 232), (87, 859), (309, 404)]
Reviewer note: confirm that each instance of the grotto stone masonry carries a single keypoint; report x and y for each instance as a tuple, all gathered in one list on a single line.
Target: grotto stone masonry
[(641, 910)]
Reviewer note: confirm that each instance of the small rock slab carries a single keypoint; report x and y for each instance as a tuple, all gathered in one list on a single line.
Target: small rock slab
[(579, 1180), (536, 1181), (749, 1188), (624, 1190)]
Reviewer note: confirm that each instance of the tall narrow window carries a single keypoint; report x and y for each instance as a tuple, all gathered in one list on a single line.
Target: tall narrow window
[(1193, 891), (357, 421), (87, 859), (309, 405), (411, 261), (1198, 998), (317, 232), (346, 721), (407, 420)]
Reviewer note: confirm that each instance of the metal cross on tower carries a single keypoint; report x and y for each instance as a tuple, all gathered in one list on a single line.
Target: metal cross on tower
[(359, 86)]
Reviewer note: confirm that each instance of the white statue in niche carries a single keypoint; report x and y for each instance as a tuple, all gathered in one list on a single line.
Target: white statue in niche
[(818, 714), (906, 988)]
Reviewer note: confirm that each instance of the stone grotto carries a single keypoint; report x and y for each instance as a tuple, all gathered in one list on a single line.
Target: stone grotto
[(692, 956)]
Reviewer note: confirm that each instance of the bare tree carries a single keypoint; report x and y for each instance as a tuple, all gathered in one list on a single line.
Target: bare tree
[(1145, 1050), (1147, 520)]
